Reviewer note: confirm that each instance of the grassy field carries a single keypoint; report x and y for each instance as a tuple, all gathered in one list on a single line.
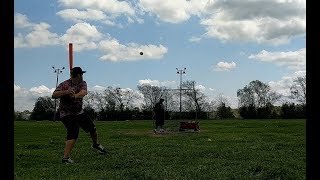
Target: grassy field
[(223, 149)]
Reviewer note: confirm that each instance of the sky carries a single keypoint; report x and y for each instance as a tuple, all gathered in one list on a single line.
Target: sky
[(223, 44)]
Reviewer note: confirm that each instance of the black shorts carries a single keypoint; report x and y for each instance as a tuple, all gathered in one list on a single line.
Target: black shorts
[(159, 120), (74, 122)]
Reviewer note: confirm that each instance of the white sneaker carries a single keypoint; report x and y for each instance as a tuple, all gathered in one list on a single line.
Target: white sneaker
[(100, 148), (67, 161)]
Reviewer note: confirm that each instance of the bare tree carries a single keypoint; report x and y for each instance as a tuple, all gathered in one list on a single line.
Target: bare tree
[(210, 106), (95, 100), (129, 98), (90, 101), (120, 99), (298, 89), (195, 98), (171, 99), (151, 94), (220, 100)]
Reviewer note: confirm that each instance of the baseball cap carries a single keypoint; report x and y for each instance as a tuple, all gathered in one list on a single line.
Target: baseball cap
[(77, 70)]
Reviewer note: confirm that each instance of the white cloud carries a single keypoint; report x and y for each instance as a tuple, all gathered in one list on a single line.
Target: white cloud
[(272, 22), (106, 10), (25, 99), (169, 84), (41, 36), (42, 90), (80, 16), (19, 41), (267, 21), (38, 36), (97, 88), (176, 11), (21, 21), (224, 66), (83, 35), (295, 60), (18, 91), (195, 39), (114, 51), (110, 6), (200, 87)]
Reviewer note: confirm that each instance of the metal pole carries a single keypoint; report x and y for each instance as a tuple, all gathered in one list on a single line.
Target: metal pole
[(58, 71), (195, 98), (180, 93), (180, 72)]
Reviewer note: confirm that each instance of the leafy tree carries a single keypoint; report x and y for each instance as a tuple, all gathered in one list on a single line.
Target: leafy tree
[(18, 116), (301, 111), (256, 100), (90, 111), (258, 94), (248, 112), (224, 112), (288, 111), (293, 111), (43, 109), (266, 112)]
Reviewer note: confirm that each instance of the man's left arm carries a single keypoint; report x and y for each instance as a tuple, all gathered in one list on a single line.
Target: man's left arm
[(82, 92)]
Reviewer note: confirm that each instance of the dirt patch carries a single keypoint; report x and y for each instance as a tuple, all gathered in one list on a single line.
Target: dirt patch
[(152, 134), (149, 132), (138, 132), (163, 134)]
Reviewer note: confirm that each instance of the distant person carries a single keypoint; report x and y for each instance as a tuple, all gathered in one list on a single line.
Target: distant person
[(71, 93), (158, 112)]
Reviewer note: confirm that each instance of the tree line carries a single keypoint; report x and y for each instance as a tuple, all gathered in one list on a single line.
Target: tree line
[(255, 101)]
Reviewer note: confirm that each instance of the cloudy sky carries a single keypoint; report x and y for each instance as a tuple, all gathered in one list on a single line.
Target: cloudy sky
[(222, 44)]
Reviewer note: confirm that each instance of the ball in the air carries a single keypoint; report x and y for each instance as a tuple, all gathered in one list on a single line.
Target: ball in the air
[(141, 53)]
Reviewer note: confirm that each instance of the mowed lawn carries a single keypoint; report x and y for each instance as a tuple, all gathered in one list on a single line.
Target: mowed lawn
[(223, 149)]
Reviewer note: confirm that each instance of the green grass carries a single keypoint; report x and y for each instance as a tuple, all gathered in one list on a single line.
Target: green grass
[(239, 149)]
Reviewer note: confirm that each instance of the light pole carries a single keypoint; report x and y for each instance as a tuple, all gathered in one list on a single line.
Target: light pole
[(57, 71), (180, 71)]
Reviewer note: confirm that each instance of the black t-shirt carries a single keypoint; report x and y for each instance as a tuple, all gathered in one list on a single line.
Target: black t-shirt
[(158, 109)]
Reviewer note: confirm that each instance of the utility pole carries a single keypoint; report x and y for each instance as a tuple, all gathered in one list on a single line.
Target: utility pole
[(57, 71), (195, 98), (180, 71)]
